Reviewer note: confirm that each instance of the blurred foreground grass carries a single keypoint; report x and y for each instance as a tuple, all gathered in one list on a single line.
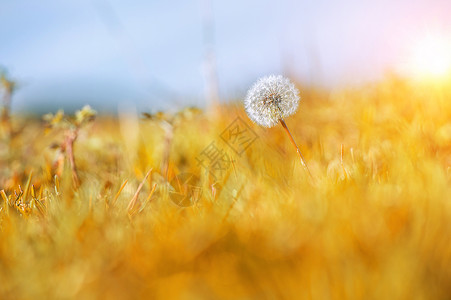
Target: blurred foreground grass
[(374, 224)]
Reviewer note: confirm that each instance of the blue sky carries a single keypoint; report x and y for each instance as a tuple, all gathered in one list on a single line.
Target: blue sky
[(151, 53)]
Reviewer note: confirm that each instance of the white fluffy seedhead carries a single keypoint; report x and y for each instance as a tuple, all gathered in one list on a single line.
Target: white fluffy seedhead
[(270, 99)]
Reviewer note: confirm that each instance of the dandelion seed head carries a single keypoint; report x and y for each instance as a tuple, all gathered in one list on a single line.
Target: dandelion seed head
[(270, 99)]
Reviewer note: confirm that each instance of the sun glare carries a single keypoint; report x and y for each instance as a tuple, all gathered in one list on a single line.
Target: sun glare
[(431, 57)]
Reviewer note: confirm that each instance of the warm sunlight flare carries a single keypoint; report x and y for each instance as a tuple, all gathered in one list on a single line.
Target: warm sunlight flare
[(431, 57)]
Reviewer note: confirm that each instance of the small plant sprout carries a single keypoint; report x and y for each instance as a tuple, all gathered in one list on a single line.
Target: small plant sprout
[(169, 123), (269, 101), (7, 89), (71, 126)]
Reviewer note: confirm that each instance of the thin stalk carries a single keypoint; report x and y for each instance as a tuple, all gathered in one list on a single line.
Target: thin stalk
[(132, 202), (304, 164), (69, 148)]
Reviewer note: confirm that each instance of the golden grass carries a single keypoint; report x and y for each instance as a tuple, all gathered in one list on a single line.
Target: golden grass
[(374, 223)]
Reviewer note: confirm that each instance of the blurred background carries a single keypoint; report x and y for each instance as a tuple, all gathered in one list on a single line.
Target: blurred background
[(167, 54)]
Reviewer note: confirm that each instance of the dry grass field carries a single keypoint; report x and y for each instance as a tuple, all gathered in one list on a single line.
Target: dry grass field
[(227, 211)]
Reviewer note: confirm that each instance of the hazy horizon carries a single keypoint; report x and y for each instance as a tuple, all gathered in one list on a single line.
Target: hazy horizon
[(152, 55)]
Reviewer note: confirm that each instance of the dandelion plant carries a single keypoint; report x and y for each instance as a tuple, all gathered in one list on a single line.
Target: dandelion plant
[(71, 126), (269, 101), (7, 88)]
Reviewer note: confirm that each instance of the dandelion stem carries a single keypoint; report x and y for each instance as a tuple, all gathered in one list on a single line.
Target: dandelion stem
[(296, 146)]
